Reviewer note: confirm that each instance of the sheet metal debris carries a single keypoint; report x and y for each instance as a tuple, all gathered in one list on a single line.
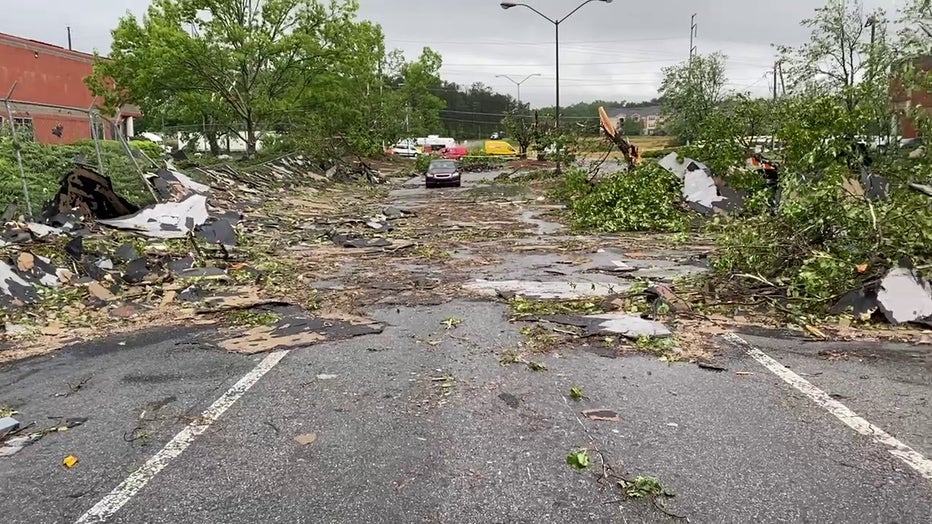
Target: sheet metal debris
[(7, 426), (701, 190), (166, 220), (628, 326), (904, 297)]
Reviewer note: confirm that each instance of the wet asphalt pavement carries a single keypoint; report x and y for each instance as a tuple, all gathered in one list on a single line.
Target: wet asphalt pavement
[(409, 431)]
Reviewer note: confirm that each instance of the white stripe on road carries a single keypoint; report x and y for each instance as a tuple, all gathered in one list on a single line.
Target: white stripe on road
[(127, 489), (898, 449)]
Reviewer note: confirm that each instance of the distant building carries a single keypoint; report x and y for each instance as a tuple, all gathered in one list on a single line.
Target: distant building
[(649, 117), (50, 101), (905, 99)]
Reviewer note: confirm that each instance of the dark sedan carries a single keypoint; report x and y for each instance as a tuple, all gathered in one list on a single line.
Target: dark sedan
[(442, 173)]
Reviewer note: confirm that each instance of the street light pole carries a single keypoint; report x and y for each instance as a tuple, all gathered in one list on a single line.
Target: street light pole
[(515, 82), (556, 23)]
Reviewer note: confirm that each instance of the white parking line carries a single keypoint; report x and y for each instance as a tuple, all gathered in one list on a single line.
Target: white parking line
[(127, 489), (898, 449)]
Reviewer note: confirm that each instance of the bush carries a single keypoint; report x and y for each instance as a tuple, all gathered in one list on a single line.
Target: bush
[(646, 199), (823, 242), (151, 149)]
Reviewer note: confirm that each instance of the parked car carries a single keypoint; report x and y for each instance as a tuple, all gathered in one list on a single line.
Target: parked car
[(442, 172), (454, 152), (405, 149)]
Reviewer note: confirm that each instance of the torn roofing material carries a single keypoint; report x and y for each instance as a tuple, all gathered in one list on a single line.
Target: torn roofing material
[(167, 220), (904, 297), (12, 286), (88, 193), (173, 185)]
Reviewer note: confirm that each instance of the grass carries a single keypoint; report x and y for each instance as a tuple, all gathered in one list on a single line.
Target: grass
[(524, 307), (250, 318)]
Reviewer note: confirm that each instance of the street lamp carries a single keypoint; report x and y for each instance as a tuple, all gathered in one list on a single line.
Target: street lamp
[(556, 24), (515, 82)]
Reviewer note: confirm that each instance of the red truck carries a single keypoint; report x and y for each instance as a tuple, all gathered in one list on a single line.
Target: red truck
[(454, 152)]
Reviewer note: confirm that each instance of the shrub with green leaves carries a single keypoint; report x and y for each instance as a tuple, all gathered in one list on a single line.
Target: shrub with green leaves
[(646, 199), (824, 240)]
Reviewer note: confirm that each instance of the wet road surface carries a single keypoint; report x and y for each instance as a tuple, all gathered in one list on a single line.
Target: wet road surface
[(423, 424)]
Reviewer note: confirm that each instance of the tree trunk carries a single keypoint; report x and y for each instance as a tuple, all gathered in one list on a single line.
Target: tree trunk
[(212, 143), (250, 138)]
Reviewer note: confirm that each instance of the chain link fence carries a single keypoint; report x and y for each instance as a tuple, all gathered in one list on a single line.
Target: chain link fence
[(40, 144)]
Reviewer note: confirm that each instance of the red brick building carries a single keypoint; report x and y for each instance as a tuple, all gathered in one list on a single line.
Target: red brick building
[(50, 101), (905, 99)]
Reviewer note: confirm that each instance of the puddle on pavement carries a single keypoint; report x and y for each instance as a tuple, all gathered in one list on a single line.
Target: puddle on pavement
[(543, 227)]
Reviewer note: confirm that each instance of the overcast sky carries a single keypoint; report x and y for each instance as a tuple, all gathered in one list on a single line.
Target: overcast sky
[(608, 51)]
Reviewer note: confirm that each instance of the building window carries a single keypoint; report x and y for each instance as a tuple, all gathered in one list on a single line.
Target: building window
[(652, 118), (24, 129)]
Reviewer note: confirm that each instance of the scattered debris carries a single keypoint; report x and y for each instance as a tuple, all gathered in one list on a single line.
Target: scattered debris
[(70, 461), (536, 366), (88, 193), (307, 439), (922, 188), (296, 329), (14, 445), (576, 393), (663, 294), (904, 297), (166, 220), (602, 415), (7, 426), (711, 367), (578, 459), (512, 401), (324, 376), (543, 290), (628, 326), (100, 292), (451, 322)]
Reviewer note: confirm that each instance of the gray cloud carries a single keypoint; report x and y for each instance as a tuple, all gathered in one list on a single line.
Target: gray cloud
[(608, 51)]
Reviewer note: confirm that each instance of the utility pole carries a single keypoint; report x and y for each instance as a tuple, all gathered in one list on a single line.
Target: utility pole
[(782, 83), (776, 65), (69, 38), (872, 23), (693, 33)]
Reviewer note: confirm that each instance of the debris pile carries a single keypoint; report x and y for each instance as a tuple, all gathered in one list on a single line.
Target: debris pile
[(287, 172), (95, 256)]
